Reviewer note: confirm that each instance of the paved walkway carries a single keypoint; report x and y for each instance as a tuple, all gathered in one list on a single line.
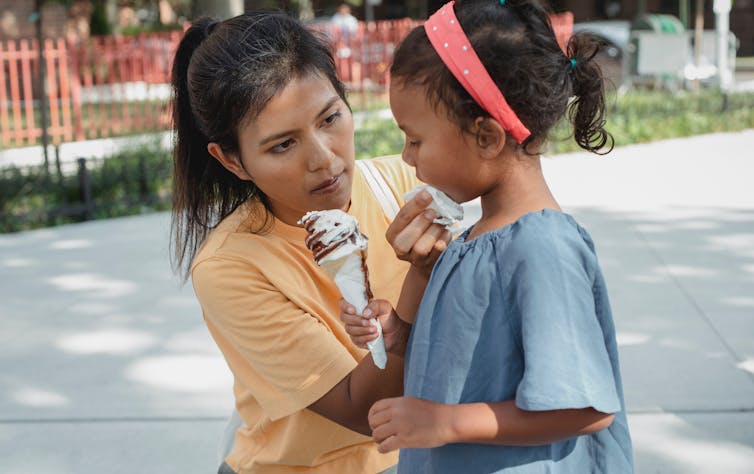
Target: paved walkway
[(106, 366)]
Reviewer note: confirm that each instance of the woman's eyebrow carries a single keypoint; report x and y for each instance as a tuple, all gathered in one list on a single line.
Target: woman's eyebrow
[(277, 136), (329, 104), (280, 135)]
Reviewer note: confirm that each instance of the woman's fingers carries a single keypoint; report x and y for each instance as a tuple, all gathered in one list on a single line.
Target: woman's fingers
[(377, 308), (346, 308), (359, 329)]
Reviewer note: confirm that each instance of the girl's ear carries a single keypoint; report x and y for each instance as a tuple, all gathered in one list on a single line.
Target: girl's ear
[(231, 163), (490, 137)]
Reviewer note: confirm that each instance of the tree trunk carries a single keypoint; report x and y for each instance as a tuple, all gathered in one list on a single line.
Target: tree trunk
[(306, 10), (219, 9), (698, 31)]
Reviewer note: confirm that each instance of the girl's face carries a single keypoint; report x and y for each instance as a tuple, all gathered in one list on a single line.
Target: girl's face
[(444, 156), (299, 150)]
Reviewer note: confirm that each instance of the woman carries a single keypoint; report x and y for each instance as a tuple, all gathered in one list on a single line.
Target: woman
[(263, 135)]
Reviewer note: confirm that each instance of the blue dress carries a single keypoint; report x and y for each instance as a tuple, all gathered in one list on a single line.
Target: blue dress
[(520, 313)]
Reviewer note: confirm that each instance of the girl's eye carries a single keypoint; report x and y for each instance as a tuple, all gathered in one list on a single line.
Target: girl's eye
[(280, 148), (332, 118), (412, 142)]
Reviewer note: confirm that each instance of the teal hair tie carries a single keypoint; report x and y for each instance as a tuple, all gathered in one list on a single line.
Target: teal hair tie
[(502, 2), (573, 64)]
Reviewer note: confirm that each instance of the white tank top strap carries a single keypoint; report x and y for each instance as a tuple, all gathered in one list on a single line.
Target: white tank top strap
[(380, 188)]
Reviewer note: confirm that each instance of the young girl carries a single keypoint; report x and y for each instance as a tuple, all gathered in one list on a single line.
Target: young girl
[(512, 364)]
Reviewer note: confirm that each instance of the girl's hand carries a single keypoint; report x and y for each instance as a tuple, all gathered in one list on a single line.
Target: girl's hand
[(394, 330), (413, 235), (407, 422)]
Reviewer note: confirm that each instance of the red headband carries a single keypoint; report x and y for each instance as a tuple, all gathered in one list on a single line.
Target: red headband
[(454, 48)]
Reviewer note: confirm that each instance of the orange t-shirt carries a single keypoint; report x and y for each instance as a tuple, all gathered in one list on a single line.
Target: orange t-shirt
[(274, 314)]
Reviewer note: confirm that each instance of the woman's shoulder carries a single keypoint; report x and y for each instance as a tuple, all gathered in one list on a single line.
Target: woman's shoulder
[(396, 172), (236, 239)]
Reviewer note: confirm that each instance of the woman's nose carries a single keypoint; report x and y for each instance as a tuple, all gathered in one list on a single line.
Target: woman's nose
[(321, 154)]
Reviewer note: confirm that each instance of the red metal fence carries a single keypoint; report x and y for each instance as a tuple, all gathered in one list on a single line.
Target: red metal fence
[(111, 86), (107, 86)]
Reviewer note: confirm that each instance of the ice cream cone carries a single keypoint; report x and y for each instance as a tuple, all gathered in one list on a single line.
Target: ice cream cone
[(340, 249)]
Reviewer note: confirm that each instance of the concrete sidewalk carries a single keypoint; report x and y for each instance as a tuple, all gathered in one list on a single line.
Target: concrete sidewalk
[(106, 366)]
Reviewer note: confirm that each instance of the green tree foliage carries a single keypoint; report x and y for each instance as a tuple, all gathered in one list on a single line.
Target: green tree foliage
[(98, 22)]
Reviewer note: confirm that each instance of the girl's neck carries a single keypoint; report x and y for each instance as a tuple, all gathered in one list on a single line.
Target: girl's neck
[(520, 190)]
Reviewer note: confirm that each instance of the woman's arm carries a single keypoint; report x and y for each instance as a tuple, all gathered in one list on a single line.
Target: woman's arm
[(349, 401), (406, 422)]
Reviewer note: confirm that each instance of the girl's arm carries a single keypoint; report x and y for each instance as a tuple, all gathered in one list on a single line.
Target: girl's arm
[(413, 423), (411, 294)]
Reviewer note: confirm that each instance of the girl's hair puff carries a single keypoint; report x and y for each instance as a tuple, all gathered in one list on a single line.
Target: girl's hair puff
[(224, 74), (517, 46)]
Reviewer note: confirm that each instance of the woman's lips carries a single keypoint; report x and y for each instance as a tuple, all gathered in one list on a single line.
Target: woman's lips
[(329, 186)]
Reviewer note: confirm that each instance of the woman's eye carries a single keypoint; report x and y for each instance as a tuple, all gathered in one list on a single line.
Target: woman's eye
[(332, 118), (280, 148), (412, 142)]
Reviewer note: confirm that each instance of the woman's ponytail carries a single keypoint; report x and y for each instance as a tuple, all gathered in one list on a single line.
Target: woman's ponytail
[(192, 163), (183, 118), (587, 110)]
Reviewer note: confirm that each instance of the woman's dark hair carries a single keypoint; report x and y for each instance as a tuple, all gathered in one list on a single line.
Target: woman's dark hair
[(517, 45), (224, 74)]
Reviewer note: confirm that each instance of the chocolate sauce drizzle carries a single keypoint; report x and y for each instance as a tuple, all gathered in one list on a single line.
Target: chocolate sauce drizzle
[(320, 250)]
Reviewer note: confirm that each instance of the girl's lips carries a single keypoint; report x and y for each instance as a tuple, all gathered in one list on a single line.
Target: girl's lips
[(329, 186)]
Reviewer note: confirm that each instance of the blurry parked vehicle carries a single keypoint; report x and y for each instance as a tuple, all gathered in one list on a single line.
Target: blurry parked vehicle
[(655, 51), (614, 36)]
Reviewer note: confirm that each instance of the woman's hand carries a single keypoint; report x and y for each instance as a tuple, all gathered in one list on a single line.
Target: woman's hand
[(394, 330), (406, 422), (413, 235)]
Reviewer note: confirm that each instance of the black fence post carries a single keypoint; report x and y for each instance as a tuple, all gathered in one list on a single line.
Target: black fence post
[(85, 190), (143, 186)]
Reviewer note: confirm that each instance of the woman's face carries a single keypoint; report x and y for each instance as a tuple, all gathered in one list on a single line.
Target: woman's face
[(299, 150)]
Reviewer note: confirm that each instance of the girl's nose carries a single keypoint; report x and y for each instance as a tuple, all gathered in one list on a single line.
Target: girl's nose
[(408, 156)]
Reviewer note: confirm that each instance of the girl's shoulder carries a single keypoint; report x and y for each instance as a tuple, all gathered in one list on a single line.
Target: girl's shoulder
[(546, 234), (550, 239)]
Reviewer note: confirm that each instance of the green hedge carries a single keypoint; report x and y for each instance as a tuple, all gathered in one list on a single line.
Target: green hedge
[(140, 180), (642, 117), (133, 182)]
